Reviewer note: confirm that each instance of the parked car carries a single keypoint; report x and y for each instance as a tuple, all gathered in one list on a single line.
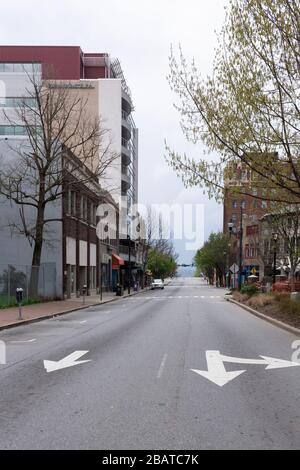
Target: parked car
[(157, 284)]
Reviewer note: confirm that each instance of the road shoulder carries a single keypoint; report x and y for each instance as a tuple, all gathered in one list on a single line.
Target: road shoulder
[(275, 322)]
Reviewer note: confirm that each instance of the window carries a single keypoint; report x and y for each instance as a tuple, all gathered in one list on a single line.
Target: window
[(254, 191), (234, 204), (71, 207), (93, 212), (264, 204), (93, 277), (20, 67), (17, 102), (84, 208), (73, 203), (252, 230), (13, 130), (233, 217)]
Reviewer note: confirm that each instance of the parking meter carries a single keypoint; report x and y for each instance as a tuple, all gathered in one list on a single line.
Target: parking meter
[(84, 291), (19, 295)]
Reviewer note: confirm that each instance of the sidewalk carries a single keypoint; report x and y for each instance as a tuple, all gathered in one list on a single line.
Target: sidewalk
[(36, 312)]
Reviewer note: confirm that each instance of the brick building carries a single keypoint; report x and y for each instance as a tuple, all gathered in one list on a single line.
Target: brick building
[(249, 208)]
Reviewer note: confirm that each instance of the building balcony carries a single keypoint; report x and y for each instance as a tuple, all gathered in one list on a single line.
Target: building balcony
[(126, 131), (125, 181), (126, 153), (126, 102), (124, 251), (126, 126)]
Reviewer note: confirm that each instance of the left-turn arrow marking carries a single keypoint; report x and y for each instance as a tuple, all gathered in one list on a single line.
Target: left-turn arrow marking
[(68, 361)]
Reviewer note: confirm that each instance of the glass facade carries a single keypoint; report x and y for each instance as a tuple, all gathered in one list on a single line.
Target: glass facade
[(20, 68), (20, 130), (17, 102), (13, 130)]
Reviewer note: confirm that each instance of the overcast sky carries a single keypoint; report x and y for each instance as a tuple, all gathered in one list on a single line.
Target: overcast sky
[(139, 33)]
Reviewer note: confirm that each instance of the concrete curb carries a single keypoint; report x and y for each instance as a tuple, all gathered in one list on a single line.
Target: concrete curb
[(75, 309), (278, 323)]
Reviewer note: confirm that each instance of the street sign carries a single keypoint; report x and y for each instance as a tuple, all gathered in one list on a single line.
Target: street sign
[(234, 268)]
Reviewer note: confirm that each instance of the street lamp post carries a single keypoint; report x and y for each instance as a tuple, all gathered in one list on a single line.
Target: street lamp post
[(275, 238), (230, 229), (241, 249), (129, 263)]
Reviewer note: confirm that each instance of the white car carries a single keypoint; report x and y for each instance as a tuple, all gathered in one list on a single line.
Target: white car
[(157, 284)]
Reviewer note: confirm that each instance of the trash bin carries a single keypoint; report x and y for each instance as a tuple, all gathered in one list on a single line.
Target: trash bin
[(119, 290)]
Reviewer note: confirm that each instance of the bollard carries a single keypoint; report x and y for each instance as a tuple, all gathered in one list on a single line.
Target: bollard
[(19, 298)]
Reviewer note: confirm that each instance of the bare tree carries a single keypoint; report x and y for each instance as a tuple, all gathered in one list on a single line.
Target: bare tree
[(286, 224), (61, 138)]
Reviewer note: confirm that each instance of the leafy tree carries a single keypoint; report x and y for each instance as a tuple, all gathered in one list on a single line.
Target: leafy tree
[(212, 257), (247, 111), (161, 264)]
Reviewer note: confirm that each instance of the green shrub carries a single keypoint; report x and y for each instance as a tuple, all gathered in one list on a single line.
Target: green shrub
[(249, 290)]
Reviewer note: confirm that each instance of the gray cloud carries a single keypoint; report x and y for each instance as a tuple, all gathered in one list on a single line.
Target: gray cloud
[(139, 33)]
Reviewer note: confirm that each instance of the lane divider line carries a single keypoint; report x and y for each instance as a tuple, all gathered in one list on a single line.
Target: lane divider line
[(162, 366)]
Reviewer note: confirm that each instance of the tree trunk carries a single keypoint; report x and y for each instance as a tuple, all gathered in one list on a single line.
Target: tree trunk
[(292, 275), (37, 253)]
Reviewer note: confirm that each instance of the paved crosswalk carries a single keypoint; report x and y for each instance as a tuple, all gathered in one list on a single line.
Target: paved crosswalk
[(163, 297)]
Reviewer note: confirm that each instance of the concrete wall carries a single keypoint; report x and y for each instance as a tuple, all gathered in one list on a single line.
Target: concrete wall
[(110, 112), (15, 249)]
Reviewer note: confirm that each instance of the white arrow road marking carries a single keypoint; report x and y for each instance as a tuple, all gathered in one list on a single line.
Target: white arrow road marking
[(217, 373), (271, 362), (68, 361)]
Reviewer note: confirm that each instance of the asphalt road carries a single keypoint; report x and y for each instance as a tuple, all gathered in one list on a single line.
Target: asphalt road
[(138, 390)]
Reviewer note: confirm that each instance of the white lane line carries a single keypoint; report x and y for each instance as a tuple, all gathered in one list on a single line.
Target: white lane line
[(82, 322), (22, 342), (162, 366)]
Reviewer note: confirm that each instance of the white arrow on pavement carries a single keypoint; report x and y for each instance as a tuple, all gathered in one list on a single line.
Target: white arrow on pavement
[(68, 361), (270, 362), (217, 373)]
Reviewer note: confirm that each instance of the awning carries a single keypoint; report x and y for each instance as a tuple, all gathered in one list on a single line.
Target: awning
[(117, 261)]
